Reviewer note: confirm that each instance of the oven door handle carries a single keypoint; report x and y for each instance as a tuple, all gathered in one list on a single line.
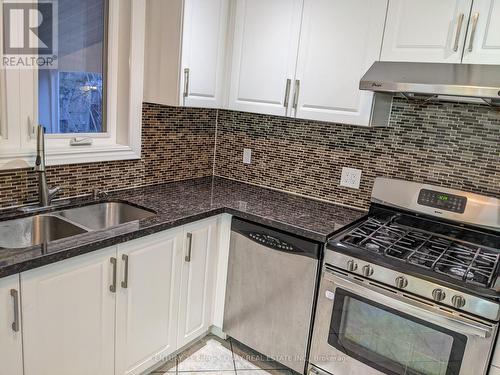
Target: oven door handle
[(411, 307)]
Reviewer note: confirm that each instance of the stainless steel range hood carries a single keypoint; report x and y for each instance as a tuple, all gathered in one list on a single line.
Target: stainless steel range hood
[(429, 80), (477, 81)]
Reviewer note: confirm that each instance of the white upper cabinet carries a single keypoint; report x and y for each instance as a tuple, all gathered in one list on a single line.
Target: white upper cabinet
[(11, 349), (426, 30), (339, 41), (203, 52), (185, 52), (198, 280), (147, 301), (483, 37), (264, 54), (68, 311)]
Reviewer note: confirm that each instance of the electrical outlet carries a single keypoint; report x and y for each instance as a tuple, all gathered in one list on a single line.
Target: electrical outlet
[(350, 178), (242, 205), (247, 156)]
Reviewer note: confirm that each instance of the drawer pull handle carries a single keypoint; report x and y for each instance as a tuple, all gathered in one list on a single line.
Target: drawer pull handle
[(125, 276), (296, 94), (15, 296), (186, 83), (475, 18), (459, 31), (189, 247), (112, 287), (287, 92)]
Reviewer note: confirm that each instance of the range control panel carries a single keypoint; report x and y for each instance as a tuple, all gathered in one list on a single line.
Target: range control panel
[(443, 201)]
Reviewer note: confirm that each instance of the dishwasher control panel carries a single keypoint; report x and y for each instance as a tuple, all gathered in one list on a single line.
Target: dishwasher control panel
[(274, 239), (271, 241)]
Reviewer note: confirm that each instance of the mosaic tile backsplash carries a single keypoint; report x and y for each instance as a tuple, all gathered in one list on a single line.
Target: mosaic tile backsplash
[(446, 144), (177, 144)]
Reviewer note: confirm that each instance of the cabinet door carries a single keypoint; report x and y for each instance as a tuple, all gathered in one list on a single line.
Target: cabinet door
[(264, 55), (483, 38), (162, 57), (68, 312), (339, 41), (11, 350), (147, 301), (494, 371), (203, 52), (426, 30), (197, 280)]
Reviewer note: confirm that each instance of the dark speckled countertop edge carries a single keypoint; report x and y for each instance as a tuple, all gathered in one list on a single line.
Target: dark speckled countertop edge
[(88, 247), (26, 259)]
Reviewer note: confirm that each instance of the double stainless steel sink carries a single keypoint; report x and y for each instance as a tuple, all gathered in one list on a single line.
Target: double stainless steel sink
[(39, 229), (104, 215)]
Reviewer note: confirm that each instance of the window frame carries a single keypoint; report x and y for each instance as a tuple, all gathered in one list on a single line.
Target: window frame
[(124, 72)]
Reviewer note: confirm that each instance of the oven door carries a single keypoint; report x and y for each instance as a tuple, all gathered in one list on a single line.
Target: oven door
[(366, 328)]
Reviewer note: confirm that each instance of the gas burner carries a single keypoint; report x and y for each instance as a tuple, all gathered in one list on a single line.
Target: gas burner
[(446, 255), (460, 273)]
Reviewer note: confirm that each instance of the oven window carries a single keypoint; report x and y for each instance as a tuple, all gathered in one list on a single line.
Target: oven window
[(393, 342)]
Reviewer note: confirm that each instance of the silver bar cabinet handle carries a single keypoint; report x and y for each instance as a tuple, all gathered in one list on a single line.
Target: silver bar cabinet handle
[(459, 31), (287, 92), (189, 246), (125, 276), (186, 82), (112, 287), (296, 94), (15, 296), (475, 18)]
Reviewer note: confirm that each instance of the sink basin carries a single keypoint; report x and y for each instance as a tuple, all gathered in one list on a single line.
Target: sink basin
[(105, 215), (35, 230)]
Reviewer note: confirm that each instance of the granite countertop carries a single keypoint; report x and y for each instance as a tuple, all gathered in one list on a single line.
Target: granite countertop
[(179, 203)]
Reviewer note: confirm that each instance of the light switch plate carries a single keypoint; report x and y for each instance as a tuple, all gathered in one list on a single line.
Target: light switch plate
[(350, 178), (247, 156)]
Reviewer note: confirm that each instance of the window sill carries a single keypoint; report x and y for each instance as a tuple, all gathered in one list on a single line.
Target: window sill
[(69, 155)]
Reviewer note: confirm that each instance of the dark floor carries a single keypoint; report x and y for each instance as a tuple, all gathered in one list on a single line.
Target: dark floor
[(212, 355)]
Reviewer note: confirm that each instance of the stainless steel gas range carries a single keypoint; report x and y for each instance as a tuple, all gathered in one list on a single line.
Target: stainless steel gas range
[(412, 288)]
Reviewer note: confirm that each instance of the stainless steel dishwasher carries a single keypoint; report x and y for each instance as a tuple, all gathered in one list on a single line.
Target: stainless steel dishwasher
[(271, 292)]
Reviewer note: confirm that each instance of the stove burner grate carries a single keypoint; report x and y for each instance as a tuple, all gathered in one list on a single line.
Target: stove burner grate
[(449, 256)]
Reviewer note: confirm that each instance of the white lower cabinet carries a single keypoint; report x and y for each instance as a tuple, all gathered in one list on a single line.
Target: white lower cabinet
[(147, 300), (116, 311), (197, 280), (494, 371), (11, 350), (68, 312)]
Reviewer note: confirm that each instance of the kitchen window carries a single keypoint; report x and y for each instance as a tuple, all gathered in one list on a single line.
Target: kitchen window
[(71, 97), (90, 103)]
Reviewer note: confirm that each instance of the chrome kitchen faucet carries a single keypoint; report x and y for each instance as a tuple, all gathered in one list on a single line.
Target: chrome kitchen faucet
[(45, 194)]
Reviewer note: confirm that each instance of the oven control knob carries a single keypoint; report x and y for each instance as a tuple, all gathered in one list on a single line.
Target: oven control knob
[(367, 270), (458, 301), (438, 295), (401, 282), (352, 265)]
